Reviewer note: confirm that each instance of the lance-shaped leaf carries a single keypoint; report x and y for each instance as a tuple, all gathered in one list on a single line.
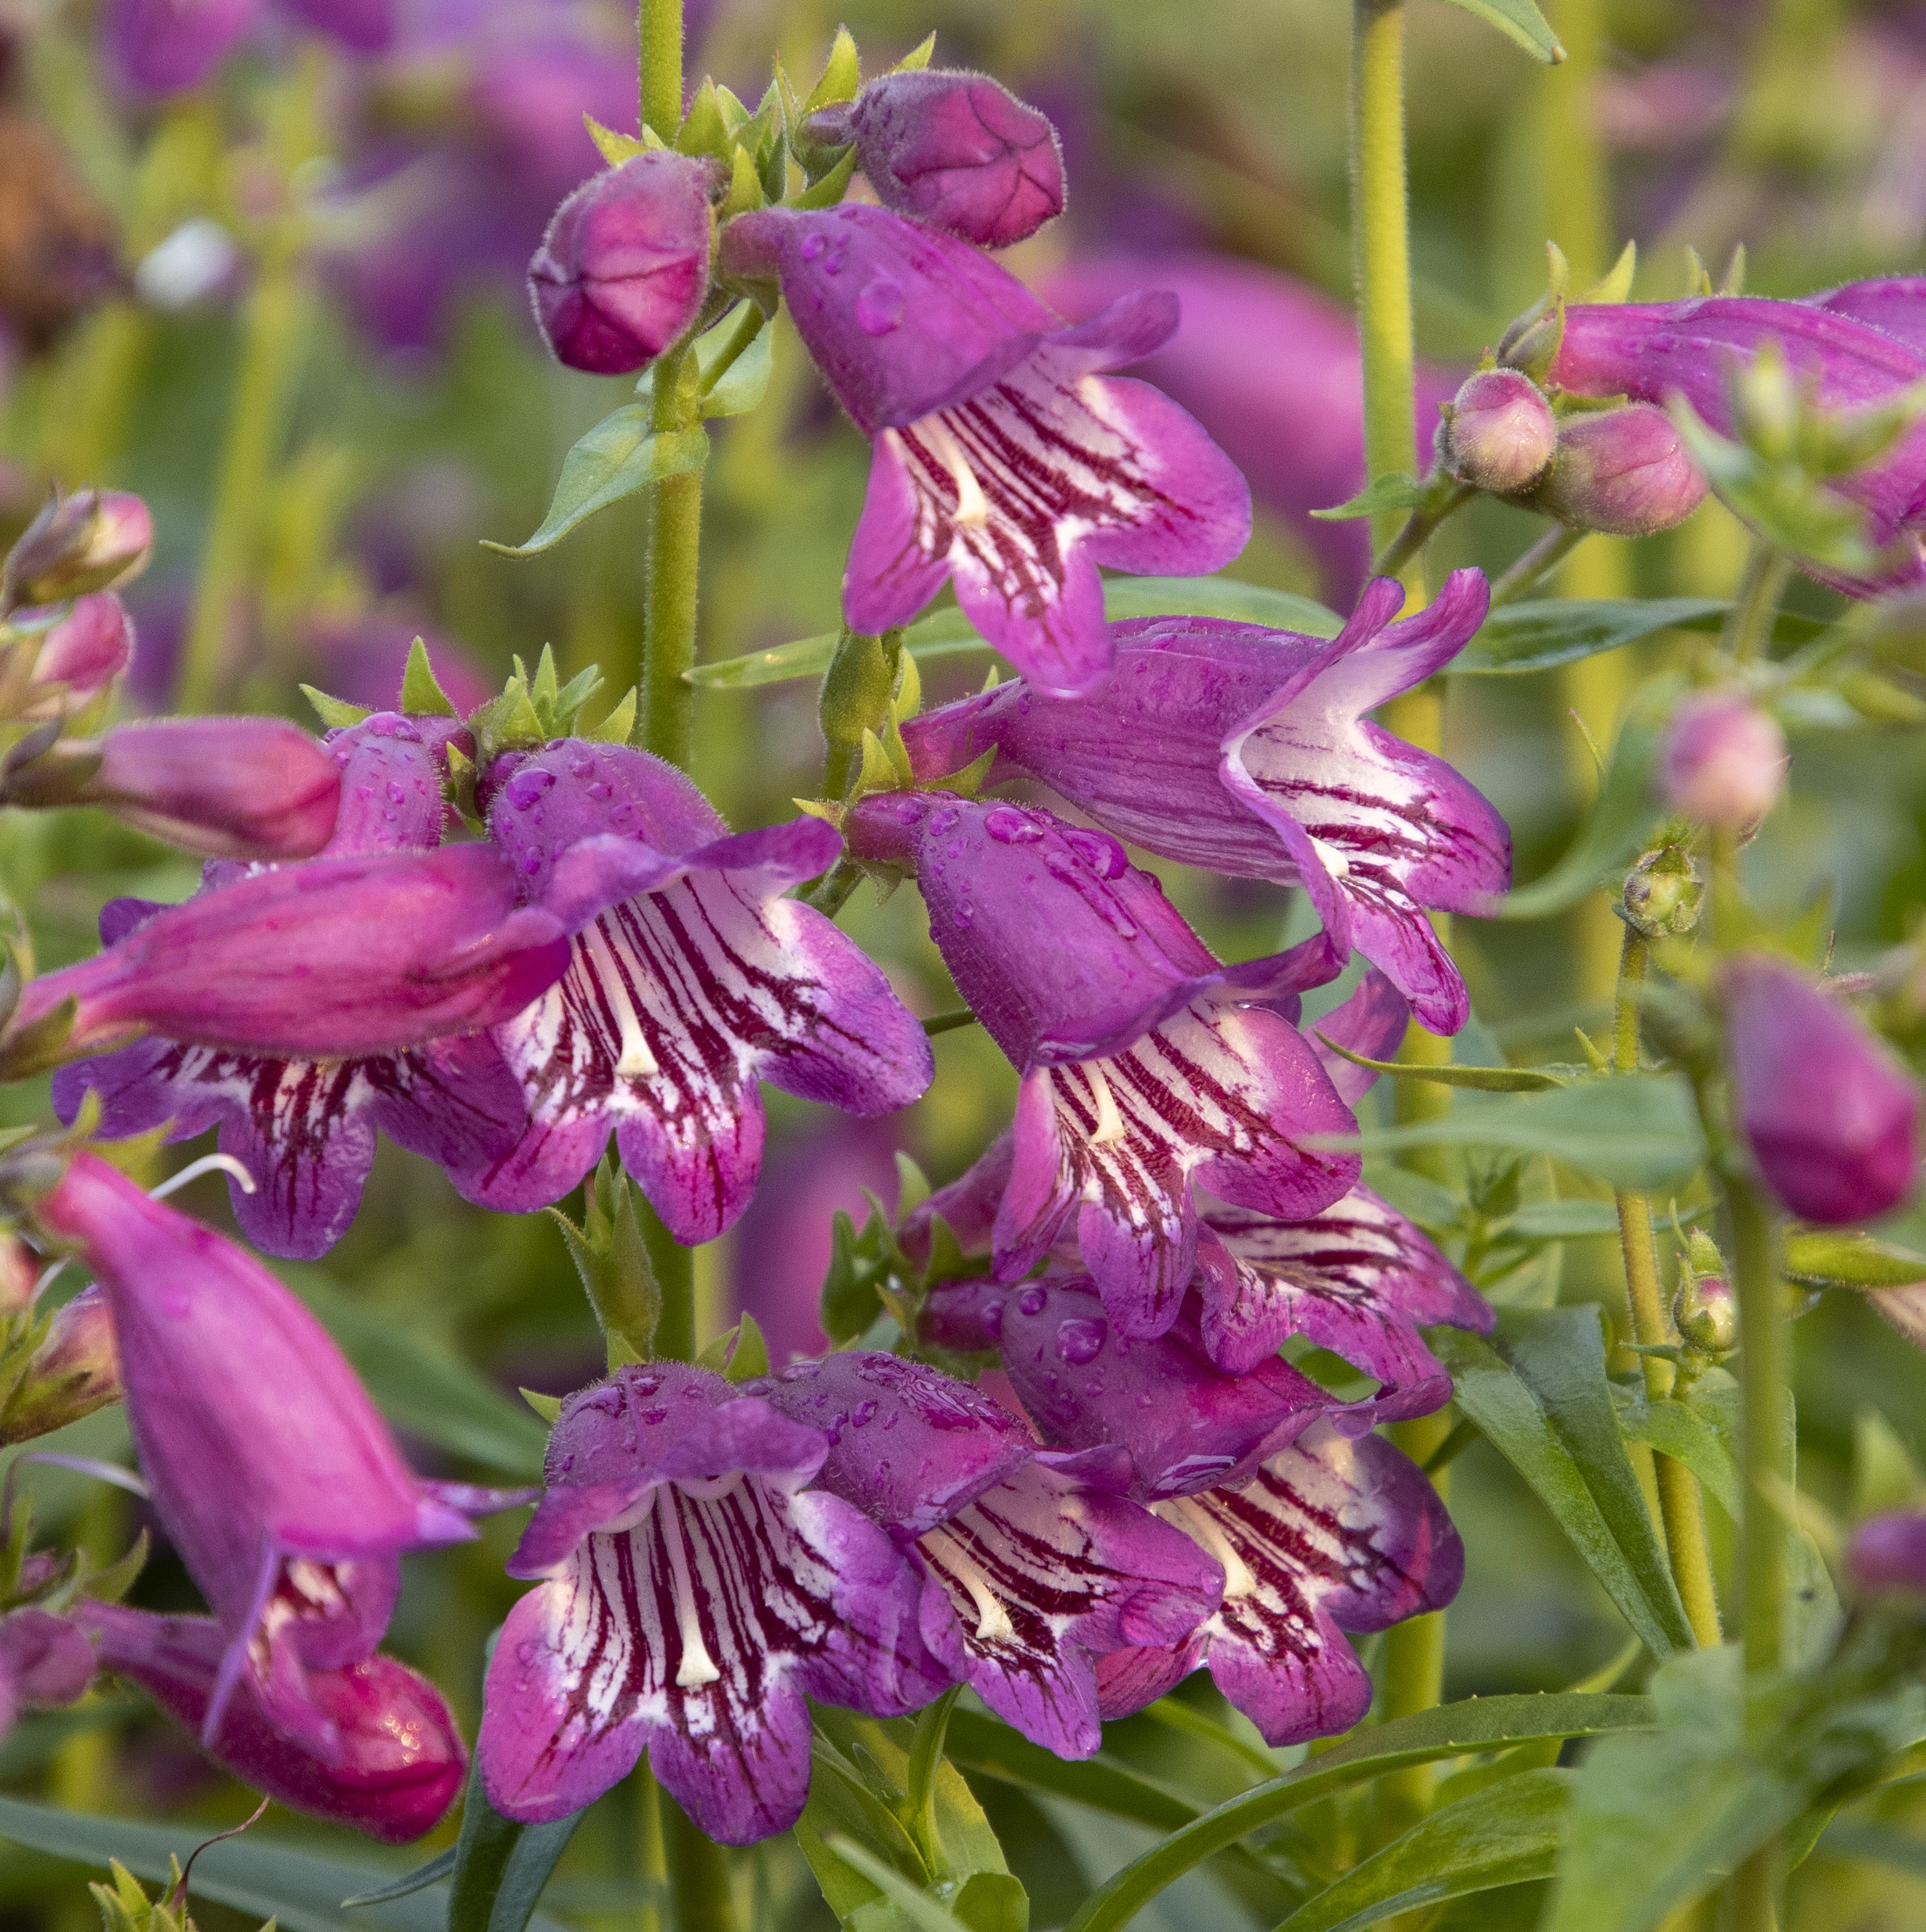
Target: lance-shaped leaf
[(1537, 635), (1538, 1391), (1510, 1833), (500, 1865), (1519, 21), (622, 454)]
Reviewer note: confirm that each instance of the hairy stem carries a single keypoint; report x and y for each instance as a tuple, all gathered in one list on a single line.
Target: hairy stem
[(1420, 528), (1680, 1509), (274, 335), (1413, 1668), (669, 597), (1381, 251), (1749, 628), (661, 66), (654, 1852)]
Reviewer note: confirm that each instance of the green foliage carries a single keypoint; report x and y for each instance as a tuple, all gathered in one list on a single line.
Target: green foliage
[(1520, 22), (624, 453), (500, 1866), (612, 1259)]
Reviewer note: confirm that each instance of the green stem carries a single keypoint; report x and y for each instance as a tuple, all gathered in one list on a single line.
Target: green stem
[(654, 1860), (748, 326), (669, 598), (698, 1875), (1681, 1510), (1544, 557), (926, 1762), (1419, 529), (674, 1267), (1381, 251), (832, 890), (1764, 1362), (661, 66), (274, 334), (1749, 628)]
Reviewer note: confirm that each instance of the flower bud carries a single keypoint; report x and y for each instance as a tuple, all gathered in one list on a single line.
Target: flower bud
[(956, 150), (1724, 761), (1663, 894), (624, 267), (80, 656), (1705, 1314), (19, 1275), (77, 543), (227, 787), (1497, 432), (74, 1370), (1623, 472), (1832, 1118)]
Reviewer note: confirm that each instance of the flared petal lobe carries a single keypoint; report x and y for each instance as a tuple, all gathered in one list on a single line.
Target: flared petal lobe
[(1252, 754), (694, 1595)]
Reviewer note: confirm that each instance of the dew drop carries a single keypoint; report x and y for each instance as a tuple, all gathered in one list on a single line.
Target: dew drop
[(397, 794), (1098, 850), (992, 1319), (964, 914), (943, 820), (813, 245), (581, 766), (598, 790), (1008, 826), (1031, 1300), (652, 1416), (1080, 1340), (529, 786), (879, 308), (862, 1415)]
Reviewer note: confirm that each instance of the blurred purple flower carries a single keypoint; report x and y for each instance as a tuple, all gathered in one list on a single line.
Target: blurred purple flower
[(1005, 457), (1724, 760), (1270, 368), (1252, 754), (162, 46), (693, 1592), (46, 1662)]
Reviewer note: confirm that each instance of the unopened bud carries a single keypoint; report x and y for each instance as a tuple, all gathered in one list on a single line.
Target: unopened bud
[(1497, 433), (1724, 759), (85, 542), (226, 787), (1663, 893), (1705, 1314), (19, 1273), (623, 270), (79, 656), (1622, 472), (956, 150), (74, 1369)]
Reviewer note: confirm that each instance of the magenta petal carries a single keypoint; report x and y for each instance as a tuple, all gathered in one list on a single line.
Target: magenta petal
[(1894, 305), (889, 576)]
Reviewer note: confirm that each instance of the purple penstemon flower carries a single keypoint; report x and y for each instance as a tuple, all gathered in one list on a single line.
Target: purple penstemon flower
[(1653, 351), (272, 1474), (305, 1129), (1033, 1564), (401, 1760), (690, 978), (694, 1591), (1148, 1065), (1005, 457), (1894, 305), (1320, 1526), (1252, 753)]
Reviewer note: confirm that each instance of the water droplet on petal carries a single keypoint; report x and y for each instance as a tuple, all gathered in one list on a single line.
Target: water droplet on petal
[(880, 307), (943, 820), (964, 914), (1079, 1340), (813, 245), (1031, 1300), (528, 786), (1008, 826)]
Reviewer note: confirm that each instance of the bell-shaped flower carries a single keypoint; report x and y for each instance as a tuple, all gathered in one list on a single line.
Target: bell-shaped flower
[(1334, 1533), (957, 150), (1033, 1566), (1005, 458), (256, 788), (272, 1474), (694, 1591), (1652, 351), (1831, 1117), (331, 959), (623, 269), (1252, 752), (401, 1761), (1146, 1064), (304, 1129), (691, 978), (45, 1663)]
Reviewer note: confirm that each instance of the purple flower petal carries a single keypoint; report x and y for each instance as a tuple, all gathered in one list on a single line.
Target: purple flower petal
[(1039, 1576), (1332, 1535), (1357, 1278), (1894, 305)]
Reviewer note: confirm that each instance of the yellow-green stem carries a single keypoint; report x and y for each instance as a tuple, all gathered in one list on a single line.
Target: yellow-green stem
[(1381, 252), (698, 1874), (1749, 628), (1681, 1510), (669, 598), (655, 1858), (274, 334), (661, 66), (1414, 1670)]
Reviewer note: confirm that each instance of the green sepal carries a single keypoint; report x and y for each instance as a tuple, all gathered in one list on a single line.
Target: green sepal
[(336, 713), (745, 188), (612, 1259), (614, 147), (421, 694), (841, 76), (618, 726), (1396, 489), (1487, 1079), (918, 57), (548, 1407), (704, 130), (739, 1355), (829, 190)]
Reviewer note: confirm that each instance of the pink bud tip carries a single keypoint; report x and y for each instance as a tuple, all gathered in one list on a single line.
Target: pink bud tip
[(1499, 432), (1724, 759), (1622, 472)]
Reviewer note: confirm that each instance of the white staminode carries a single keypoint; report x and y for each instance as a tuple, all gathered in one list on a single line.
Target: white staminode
[(697, 1667), (945, 1549), (1198, 1524), (1109, 1128), (972, 507), (636, 1062)]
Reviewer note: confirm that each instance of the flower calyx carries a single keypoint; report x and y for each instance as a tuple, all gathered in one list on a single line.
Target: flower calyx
[(1663, 893)]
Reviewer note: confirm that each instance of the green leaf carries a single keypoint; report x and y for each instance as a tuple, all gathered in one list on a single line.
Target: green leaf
[(917, 1908), (500, 1866), (948, 633), (437, 1869), (1508, 1833), (253, 1873), (1102, 1783), (1677, 1429), (1563, 1220), (1518, 21), (1536, 636), (1639, 1131), (619, 456), (421, 694), (420, 1389), (1820, 1258), (1485, 1079), (745, 382), (1449, 1730), (1538, 1391), (1875, 1844), (1625, 811), (1395, 491)]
